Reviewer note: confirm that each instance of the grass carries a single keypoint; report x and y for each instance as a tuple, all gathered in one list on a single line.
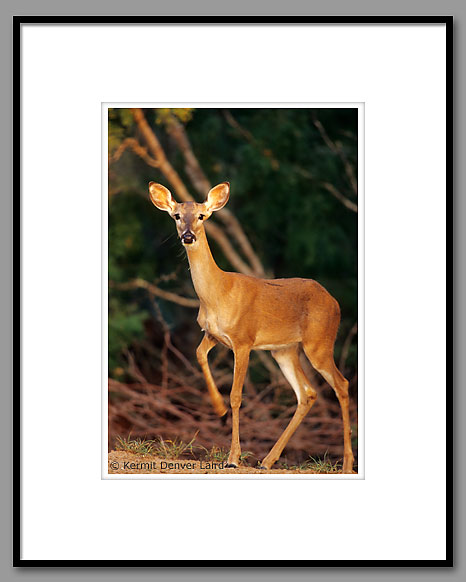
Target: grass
[(168, 449), (138, 446), (165, 449), (174, 449), (323, 466)]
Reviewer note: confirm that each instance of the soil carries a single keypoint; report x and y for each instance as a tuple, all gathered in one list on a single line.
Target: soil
[(123, 462)]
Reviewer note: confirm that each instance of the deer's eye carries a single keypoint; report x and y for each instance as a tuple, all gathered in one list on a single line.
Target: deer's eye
[(201, 217), (177, 216)]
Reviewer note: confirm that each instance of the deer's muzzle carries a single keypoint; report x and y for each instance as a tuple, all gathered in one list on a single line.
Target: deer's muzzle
[(188, 238)]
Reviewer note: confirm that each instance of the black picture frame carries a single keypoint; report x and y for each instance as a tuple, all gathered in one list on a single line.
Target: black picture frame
[(369, 20)]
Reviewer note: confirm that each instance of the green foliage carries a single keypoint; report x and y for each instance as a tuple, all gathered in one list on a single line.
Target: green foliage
[(119, 122), (166, 116), (128, 257), (133, 239), (125, 325)]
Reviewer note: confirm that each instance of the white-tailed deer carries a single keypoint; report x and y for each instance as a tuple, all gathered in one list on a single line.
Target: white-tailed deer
[(245, 313)]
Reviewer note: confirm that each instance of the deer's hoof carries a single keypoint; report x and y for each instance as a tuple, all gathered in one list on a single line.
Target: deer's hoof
[(231, 466), (262, 468)]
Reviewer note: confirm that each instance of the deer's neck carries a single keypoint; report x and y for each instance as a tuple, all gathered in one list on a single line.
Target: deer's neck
[(205, 274)]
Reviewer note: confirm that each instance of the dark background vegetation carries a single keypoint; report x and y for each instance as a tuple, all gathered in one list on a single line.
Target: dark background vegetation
[(292, 213)]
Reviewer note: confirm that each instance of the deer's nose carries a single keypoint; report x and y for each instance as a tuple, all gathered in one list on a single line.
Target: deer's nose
[(188, 238)]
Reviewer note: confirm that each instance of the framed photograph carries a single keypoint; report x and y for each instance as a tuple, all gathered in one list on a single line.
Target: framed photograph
[(232, 270), (167, 409)]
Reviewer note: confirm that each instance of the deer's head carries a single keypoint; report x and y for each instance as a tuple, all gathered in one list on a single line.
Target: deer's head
[(189, 217)]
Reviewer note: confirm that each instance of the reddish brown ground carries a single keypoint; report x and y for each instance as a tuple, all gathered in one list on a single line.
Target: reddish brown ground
[(123, 462)]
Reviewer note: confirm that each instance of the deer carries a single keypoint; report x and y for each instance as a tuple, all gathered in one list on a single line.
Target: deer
[(246, 313)]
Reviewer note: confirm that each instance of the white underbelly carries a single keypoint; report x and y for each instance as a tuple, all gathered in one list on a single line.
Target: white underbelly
[(273, 346)]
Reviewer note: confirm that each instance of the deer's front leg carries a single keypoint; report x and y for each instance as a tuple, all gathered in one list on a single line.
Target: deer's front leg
[(207, 343), (241, 366)]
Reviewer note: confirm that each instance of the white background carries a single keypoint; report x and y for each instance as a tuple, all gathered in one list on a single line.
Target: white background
[(398, 511)]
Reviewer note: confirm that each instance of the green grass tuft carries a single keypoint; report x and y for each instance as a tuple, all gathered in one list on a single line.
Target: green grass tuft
[(138, 446), (318, 465), (174, 449)]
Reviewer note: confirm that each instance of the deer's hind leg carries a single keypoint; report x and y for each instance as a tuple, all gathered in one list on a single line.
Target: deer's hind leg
[(207, 343), (321, 358), (288, 360)]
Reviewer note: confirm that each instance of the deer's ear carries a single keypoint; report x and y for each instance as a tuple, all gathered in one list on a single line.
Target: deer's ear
[(218, 197), (161, 197)]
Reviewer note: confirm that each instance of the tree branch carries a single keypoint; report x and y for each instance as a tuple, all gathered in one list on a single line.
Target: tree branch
[(251, 139), (330, 188), (339, 196), (168, 295), (337, 149), (346, 346), (137, 148)]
